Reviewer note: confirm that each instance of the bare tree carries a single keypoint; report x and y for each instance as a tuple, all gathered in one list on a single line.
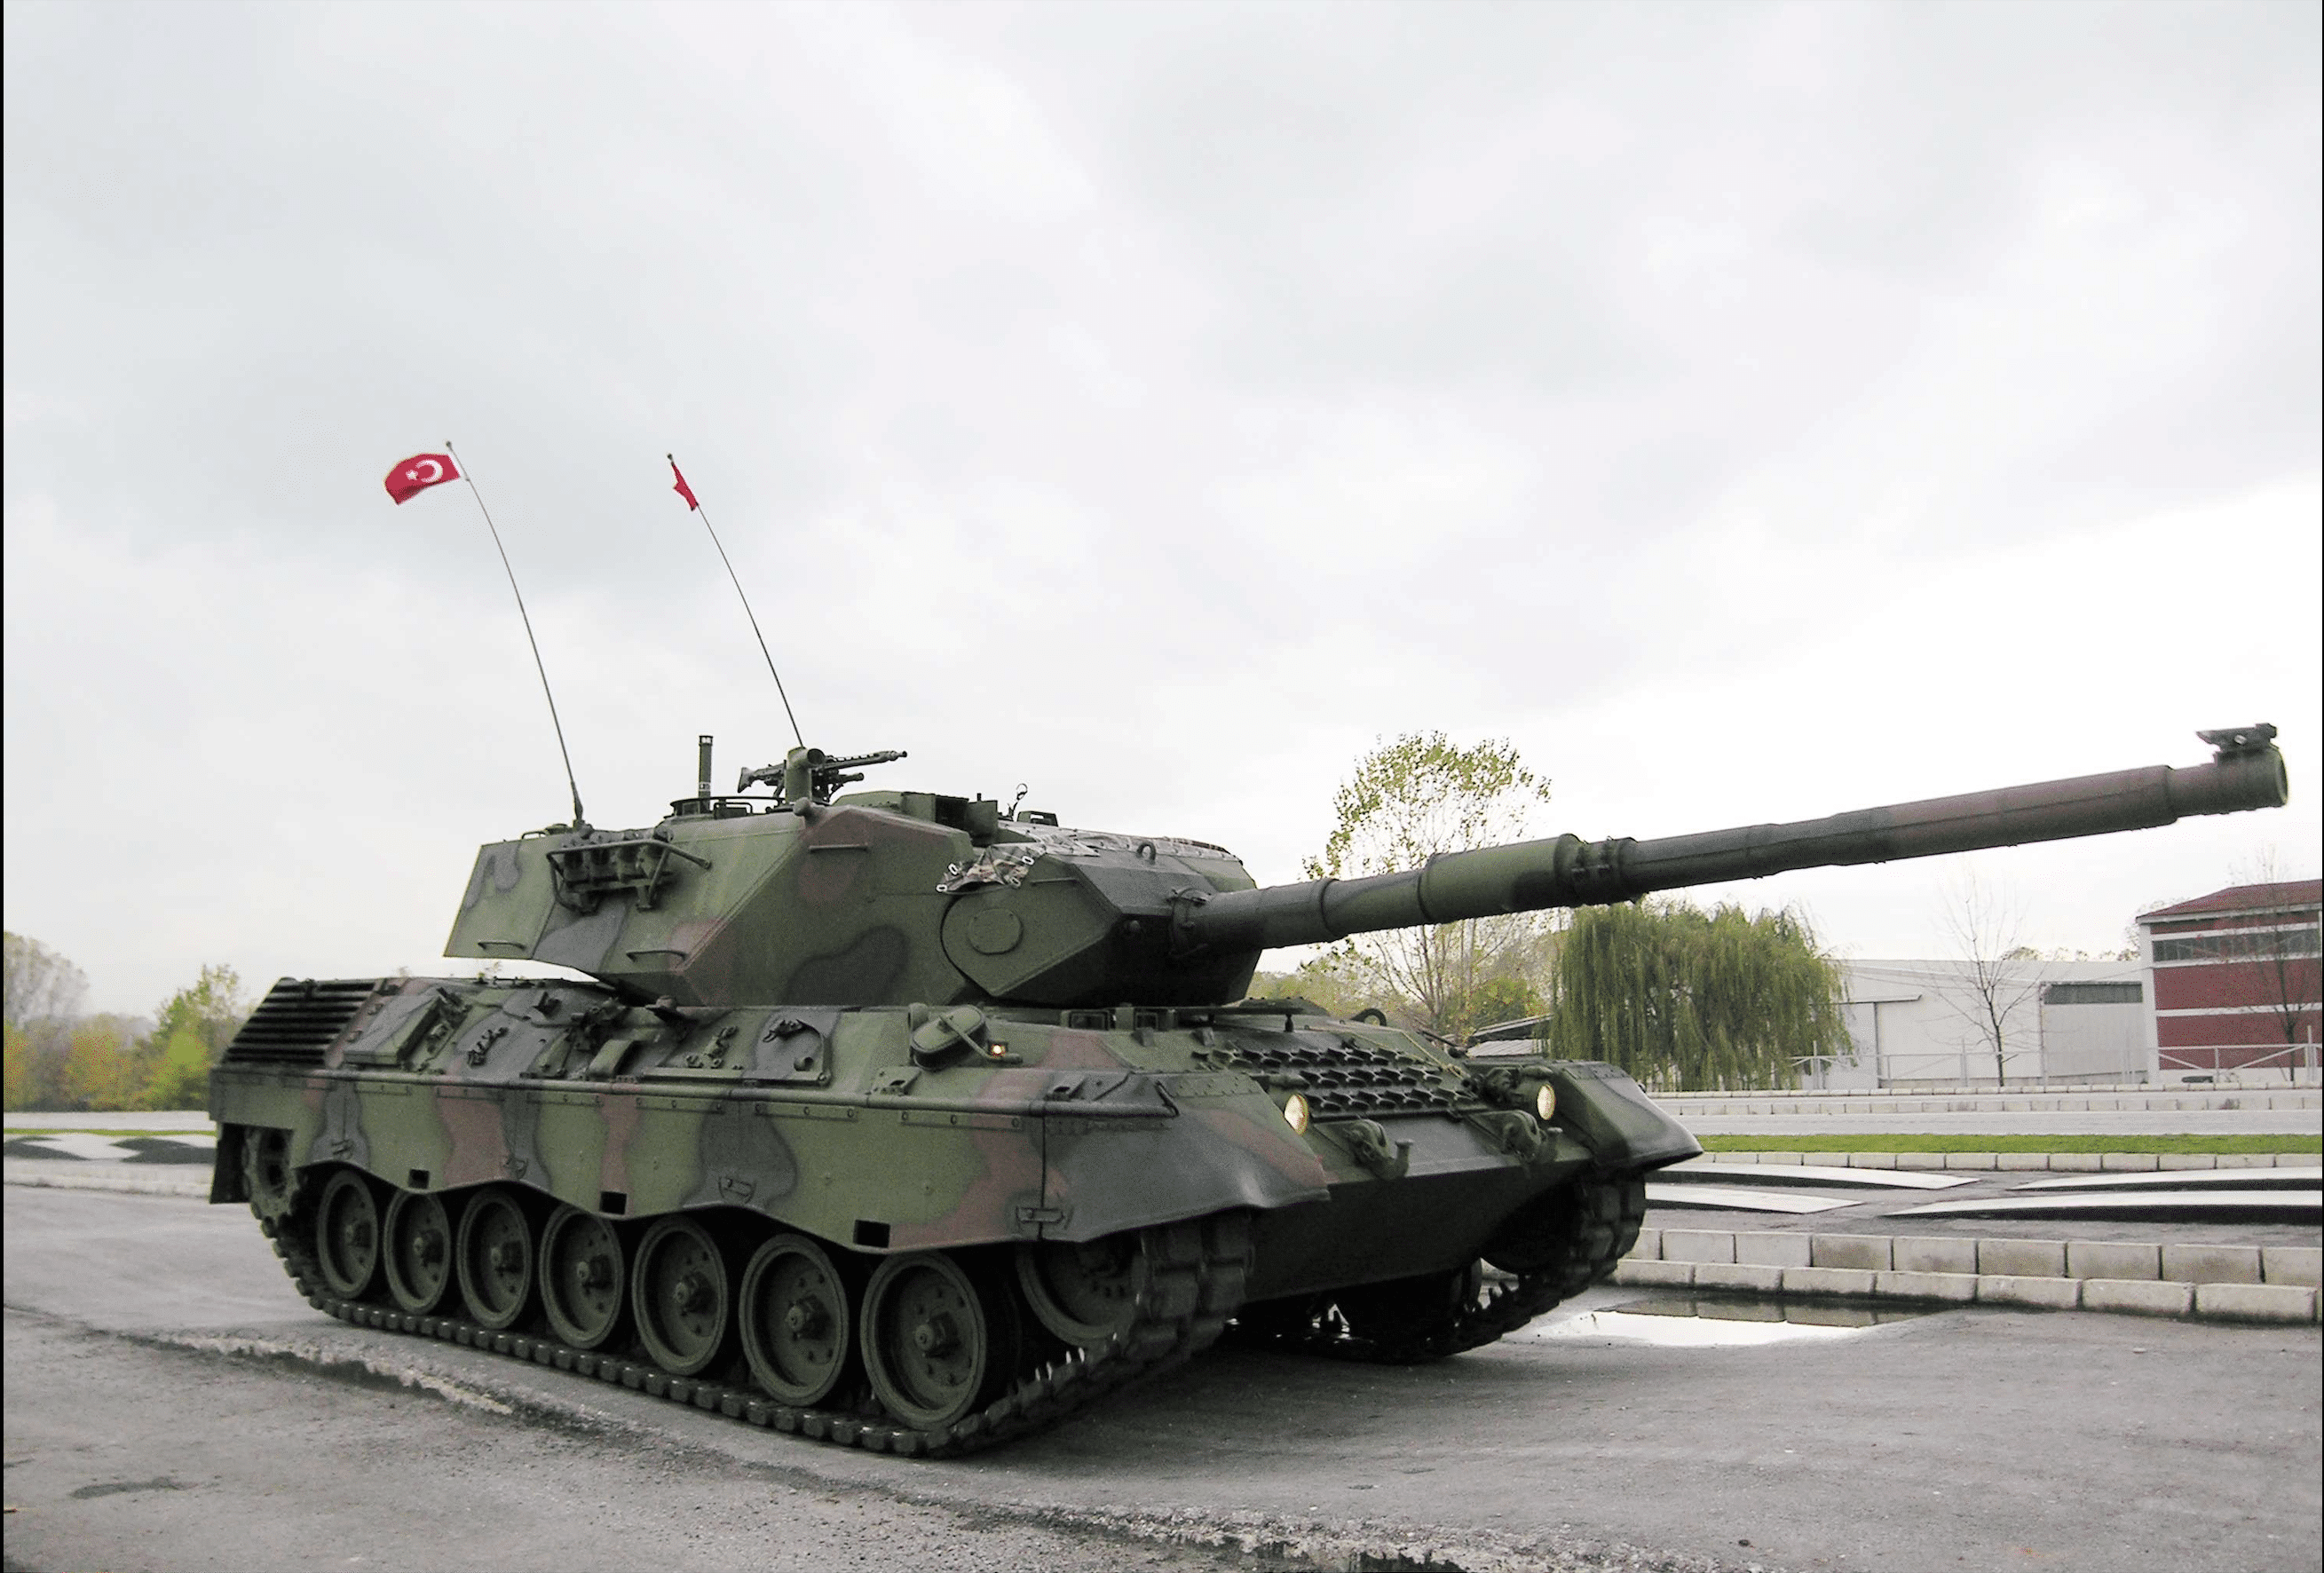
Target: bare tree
[(41, 985), (2003, 973), (2278, 957)]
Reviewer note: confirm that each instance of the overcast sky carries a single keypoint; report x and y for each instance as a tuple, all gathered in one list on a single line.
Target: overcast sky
[(1748, 411)]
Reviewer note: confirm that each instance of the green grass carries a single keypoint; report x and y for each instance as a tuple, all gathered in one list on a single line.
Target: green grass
[(1972, 1142)]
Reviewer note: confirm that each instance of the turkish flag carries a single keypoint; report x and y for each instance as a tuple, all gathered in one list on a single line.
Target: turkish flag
[(416, 474), (682, 489)]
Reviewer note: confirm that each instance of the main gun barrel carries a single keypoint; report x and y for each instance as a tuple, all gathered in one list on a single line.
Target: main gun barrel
[(2248, 772)]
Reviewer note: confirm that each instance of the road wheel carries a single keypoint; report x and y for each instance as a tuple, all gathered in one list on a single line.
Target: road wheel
[(494, 1257), (1083, 1293), (584, 1281), (799, 1329), (347, 1235), (936, 1343), (681, 1295), (419, 1251)]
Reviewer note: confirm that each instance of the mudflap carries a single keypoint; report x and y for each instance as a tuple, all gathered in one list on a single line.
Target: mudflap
[(228, 1183)]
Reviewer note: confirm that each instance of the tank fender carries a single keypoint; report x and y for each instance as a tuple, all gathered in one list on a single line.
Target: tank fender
[(1105, 1175), (1611, 1114)]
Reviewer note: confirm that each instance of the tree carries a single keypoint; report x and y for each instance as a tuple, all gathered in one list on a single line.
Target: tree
[(2279, 975), (1682, 998), (2002, 975), (42, 985), (44, 996), (101, 1070), (189, 1033), (1409, 800)]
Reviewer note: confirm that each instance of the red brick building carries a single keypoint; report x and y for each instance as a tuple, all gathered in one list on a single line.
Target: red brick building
[(2233, 981)]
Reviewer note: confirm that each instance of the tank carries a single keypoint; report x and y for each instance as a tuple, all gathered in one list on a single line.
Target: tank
[(898, 1120)]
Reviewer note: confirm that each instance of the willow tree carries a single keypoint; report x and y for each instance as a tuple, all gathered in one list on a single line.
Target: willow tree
[(1682, 998), (1408, 800)]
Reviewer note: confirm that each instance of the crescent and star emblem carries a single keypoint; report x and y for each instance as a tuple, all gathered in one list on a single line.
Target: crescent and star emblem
[(435, 473)]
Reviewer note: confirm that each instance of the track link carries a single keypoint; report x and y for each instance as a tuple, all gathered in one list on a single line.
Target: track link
[(1194, 1283), (1607, 1216)]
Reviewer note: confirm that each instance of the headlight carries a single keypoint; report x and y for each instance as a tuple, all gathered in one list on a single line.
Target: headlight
[(1544, 1102), (1294, 1114)]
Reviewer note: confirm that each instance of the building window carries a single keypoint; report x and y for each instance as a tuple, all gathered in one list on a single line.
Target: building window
[(2239, 944), (2093, 993)]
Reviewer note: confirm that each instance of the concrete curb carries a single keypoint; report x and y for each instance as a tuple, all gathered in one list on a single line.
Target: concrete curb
[(2252, 1283), (2059, 1163), (2279, 1096), (158, 1184)]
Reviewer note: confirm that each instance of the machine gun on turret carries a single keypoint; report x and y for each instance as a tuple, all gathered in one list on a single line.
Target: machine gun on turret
[(811, 776)]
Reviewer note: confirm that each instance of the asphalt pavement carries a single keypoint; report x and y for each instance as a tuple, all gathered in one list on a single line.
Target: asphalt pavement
[(155, 1339)]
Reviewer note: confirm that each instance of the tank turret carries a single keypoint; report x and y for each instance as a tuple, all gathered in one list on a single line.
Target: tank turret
[(888, 897)]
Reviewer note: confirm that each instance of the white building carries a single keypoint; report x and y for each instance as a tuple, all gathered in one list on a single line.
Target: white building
[(1924, 1024)]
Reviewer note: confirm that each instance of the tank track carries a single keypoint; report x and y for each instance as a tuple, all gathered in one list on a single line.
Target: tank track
[(1194, 1283), (1607, 1216)]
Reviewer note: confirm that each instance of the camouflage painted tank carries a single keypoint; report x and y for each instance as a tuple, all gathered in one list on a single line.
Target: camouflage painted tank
[(903, 1122)]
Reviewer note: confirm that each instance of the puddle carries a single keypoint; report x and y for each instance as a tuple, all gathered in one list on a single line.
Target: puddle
[(1708, 1322)]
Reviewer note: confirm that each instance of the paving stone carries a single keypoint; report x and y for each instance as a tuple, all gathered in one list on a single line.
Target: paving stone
[(1871, 1160), (1649, 1247), (1934, 1253), (2291, 1264), (2075, 1163), (2256, 1301), (1827, 1281), (1633, 1273), (1867, 1253), (1769, 1249), (2113, 1259), (2211, 1264), (2021, 1160), (2022, 1258), (1960, 1288), (1922, 1160), (1972, 1160), (2128, 1162), (2188, 1159), (2049, 1294), (2142, 1296), (1698, 1246), (1792, 1158), (1748, 1277), (1826, 1160)]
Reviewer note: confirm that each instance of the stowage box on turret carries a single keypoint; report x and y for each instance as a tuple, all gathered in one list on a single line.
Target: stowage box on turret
[(902, 1122)]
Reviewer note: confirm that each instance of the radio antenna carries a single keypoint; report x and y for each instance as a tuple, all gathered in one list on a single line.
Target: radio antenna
[(687, 492), (579, 821)]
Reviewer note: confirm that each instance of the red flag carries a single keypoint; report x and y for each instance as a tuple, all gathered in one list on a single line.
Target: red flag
[(416, 474), (682, 489)]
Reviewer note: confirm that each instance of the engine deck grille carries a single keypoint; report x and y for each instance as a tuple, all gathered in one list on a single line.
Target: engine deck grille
[(298, 1020)]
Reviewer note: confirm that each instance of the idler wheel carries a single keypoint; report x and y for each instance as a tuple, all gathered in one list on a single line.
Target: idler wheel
[(267, 1173), (494, 1259), (680, 1293), (799, 1329), (418, 1237), (347, 1235), (1083, 1293), (584, 1281), (937, 1345)]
